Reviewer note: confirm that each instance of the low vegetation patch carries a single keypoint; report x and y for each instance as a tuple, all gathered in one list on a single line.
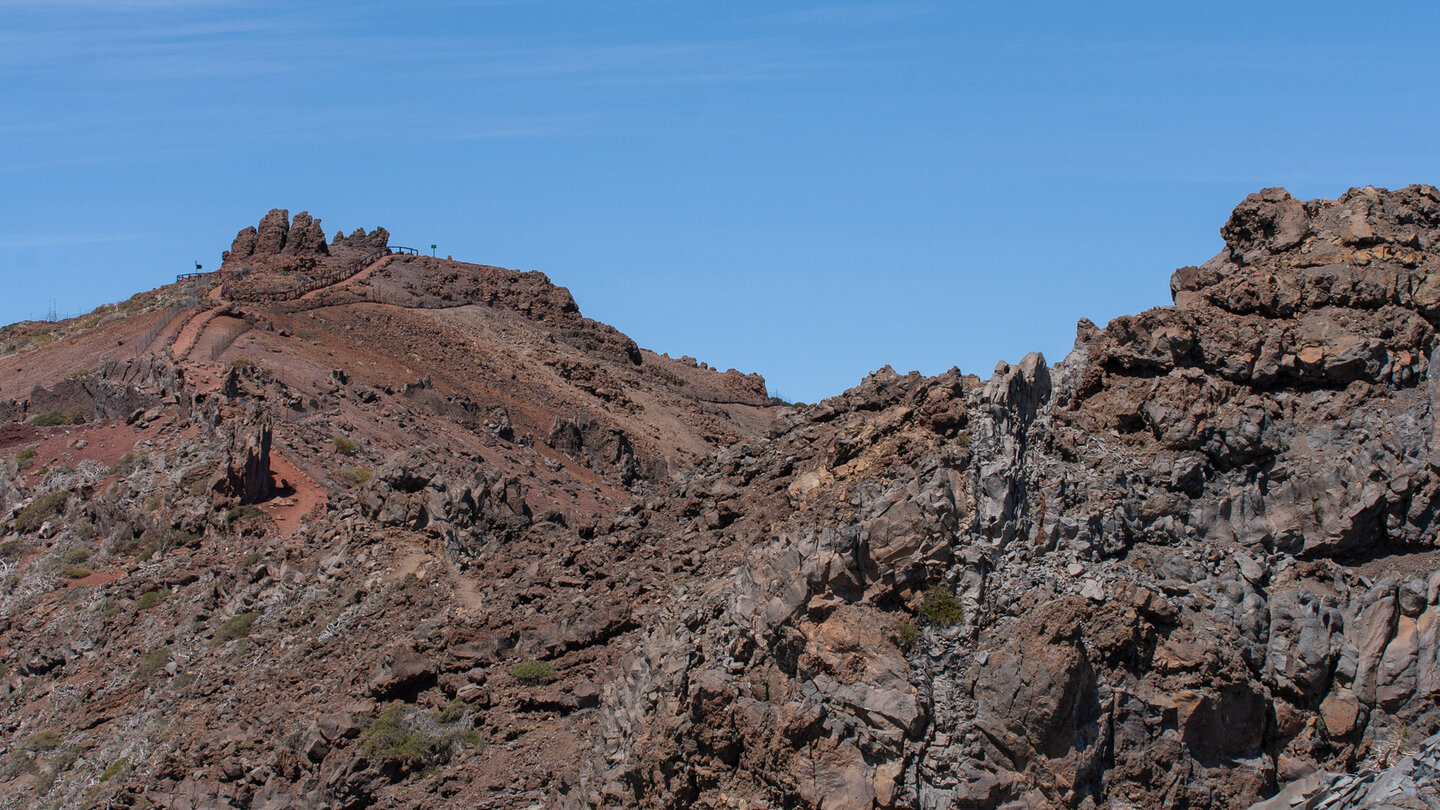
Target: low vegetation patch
[(245, 512), (76, 556), (453, 712), (153, 662), (126, 464), (25, 459), (534, 673), (75, 572), (235, 627), (56, 417), (941, 608), (906, 633), (355, 476), (115, 768), (343, 446), (411, 743), (42, 741), (149, 599), (40, 510)]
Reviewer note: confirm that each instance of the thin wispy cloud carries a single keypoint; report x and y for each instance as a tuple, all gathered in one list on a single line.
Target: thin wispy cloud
[(61, 240)]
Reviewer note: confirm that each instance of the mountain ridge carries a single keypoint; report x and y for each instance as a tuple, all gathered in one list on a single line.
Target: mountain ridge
[(426, 534)]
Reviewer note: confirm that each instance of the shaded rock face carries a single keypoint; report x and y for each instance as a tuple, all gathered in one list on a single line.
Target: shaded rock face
[(306, 237), (1196, 559), (248, 465), (606, 450)]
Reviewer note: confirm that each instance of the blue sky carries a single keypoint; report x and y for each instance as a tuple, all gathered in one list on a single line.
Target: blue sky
[(809, 190)]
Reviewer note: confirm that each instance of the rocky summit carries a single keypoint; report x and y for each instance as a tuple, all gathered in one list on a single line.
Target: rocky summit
[(342, 527)]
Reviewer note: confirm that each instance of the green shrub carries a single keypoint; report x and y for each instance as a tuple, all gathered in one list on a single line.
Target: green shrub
[(941, 608), (234, 627), (128, 544), (40, 510), (534, 673), (126, 465), (453, 712), (115, 768), (48, 419), (245, 512), (76, 556), (906, 633), (150, 599), (43, 741), (25, 459), (11, 550), (389, 738), (153, 662), (392, 737), (355, 476), (343, 446), (179, 538), (75, 572)]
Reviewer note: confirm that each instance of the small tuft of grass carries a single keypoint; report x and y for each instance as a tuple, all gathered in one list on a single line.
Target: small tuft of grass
[(76, 556), (75, 572), (906, 633), (115, 768), (534, 673), (126, 465), (234, 627), (245, 512), (343, 446), (453, 712), (153, 662), (355, 476), (25, 459), (150, 599)]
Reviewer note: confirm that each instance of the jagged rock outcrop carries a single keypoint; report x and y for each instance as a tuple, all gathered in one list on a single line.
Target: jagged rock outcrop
[(244, 245), (606, 450), (273, 232), (248, 461), (464, 511), (306, 237), (1194, 558), (277, 235), (1412, 783), (358, 239)]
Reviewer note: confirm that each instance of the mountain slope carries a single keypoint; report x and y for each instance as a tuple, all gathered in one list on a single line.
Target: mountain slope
[(342, 528)]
